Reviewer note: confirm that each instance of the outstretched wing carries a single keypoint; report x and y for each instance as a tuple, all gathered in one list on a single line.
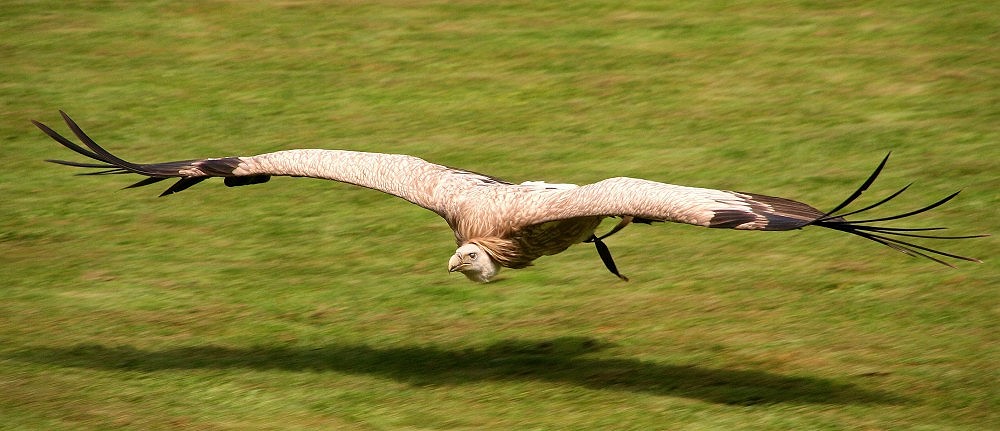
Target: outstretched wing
[(651, 200), (426, 184)]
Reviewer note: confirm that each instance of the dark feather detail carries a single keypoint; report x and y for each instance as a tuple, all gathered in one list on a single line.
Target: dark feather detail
[(864, 186), (482, 178), (728, 219), (111, 164), (911, 213), (781, 213), (65, 142), (183, 184), (765, 213), (605, 253), (114, 171), (223, 167), (876, 204), (886, 235), (80, 164), (146, 182), (247, 180)]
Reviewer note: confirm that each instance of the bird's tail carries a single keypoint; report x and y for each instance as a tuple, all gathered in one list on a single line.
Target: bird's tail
[(889, 236)]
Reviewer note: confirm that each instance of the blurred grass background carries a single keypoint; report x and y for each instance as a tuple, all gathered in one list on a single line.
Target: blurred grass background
[(307, 304)]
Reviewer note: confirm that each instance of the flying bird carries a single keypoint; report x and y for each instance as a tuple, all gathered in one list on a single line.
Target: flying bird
[(501, 224)]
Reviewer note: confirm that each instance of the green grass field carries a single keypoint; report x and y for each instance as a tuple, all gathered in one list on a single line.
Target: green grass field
[(304, 304)]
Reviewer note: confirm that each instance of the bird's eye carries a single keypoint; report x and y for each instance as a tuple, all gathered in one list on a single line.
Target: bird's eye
[(472, 255)]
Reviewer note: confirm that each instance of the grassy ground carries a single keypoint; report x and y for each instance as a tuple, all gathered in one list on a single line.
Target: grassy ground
[(312, 305)]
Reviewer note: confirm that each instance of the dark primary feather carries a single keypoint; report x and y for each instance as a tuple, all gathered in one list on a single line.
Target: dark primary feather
[(864, 186), (885, 235), (222, 167)]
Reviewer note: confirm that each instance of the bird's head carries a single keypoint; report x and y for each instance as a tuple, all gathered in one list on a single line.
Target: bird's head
[(474, 262)]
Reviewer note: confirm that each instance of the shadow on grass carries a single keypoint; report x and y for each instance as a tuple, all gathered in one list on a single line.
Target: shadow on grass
[(558, 360)]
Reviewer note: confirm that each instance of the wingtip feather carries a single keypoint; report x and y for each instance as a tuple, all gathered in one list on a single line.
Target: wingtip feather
[(865, 229)]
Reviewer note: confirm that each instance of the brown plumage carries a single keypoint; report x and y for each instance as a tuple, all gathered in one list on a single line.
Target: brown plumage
[(497, 223)]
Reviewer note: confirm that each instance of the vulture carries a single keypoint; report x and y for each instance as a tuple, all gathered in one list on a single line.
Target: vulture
[(501, 224)]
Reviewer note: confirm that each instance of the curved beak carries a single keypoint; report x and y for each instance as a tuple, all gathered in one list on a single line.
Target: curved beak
[(455, 263)]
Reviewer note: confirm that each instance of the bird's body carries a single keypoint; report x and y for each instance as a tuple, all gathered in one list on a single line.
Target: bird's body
[(501, 224)]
